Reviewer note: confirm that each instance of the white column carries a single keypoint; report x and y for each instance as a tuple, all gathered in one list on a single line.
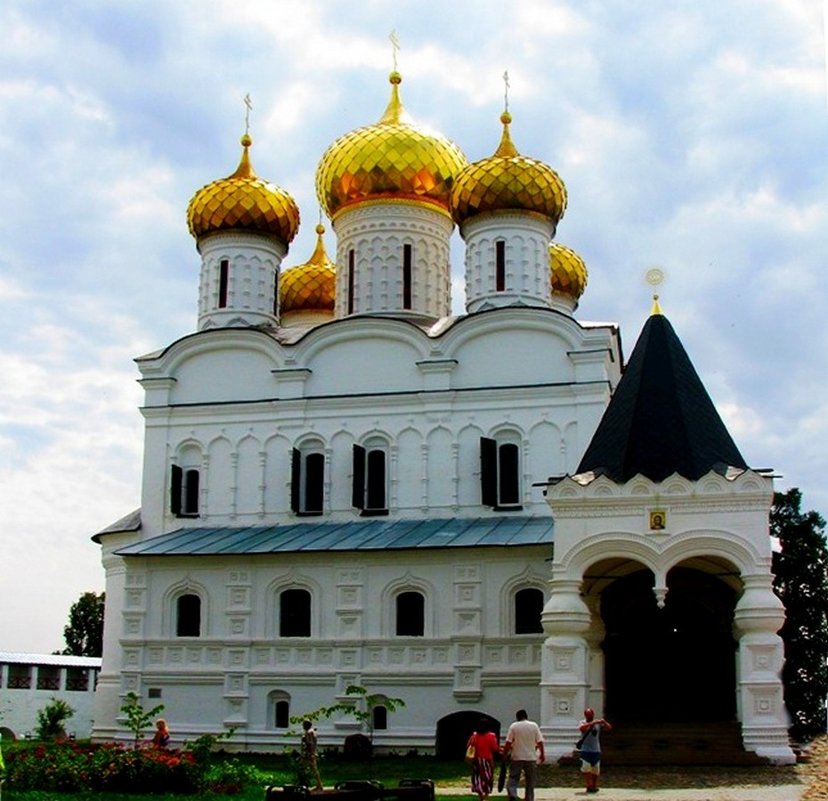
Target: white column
[(758, 616), (565, 665)]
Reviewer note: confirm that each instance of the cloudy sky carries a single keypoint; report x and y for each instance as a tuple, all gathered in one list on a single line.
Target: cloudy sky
[(691, 136)]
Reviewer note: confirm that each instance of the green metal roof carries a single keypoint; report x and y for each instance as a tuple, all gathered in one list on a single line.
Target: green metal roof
[(359, 535)]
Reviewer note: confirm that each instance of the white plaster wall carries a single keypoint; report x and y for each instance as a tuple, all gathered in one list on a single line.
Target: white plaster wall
[(467, 660)]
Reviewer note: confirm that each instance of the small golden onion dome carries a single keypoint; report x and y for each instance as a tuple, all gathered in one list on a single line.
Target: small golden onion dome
[(310, 286), (243, 201), (508, 181), (394, 158), (568, 271)]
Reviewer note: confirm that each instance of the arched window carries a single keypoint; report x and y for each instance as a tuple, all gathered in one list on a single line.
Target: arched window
[(188, 615), (500, 265), (281, 711), (370, 478), (410, 614), (184, 491), (294, 613), (528, 608), (279, 714), (500, 473), (307, 488), (379, 718)]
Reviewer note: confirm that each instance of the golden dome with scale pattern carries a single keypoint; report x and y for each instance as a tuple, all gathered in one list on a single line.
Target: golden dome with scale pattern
[(568, 271), (508, 181), (243, 201), (392, 159), (310, 286)]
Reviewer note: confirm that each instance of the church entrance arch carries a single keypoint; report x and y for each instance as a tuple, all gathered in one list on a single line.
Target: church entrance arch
[(676, 663), (454, 730)]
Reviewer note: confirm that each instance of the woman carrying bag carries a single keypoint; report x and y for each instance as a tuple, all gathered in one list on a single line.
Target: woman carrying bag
[(481, 750)]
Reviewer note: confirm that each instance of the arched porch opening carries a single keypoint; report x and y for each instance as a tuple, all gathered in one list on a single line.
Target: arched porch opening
[(454, 730), (674, 662)]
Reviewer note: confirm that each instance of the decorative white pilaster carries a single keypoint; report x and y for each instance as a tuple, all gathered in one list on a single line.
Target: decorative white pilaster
[(565, 665), (526, 279), (758, 617), (373, 243), (247, 293)]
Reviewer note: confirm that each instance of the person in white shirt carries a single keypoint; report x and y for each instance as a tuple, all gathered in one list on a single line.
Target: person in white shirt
[(524, 746)]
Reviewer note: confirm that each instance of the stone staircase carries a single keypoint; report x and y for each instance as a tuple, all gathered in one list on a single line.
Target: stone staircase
[(675, 744)]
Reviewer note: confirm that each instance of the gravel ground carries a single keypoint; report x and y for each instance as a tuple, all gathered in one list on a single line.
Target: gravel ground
[(806, 781)]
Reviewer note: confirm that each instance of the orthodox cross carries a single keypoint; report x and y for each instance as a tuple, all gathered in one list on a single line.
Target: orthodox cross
[(249, 105)]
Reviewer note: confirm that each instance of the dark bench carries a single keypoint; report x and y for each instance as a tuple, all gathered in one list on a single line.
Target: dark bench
[(406, 790)]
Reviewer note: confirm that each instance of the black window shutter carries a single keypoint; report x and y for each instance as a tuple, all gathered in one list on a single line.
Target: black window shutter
[(295, 481), (488, 471), (176, 477), (358, 493)]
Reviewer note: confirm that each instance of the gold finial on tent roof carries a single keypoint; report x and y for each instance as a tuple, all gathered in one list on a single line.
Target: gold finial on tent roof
[(655, 278)]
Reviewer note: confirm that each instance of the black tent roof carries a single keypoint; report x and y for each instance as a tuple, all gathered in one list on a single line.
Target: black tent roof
[(660, 419)]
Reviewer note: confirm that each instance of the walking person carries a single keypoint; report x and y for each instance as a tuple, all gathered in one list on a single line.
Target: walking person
[(590, 748), (524, 744), (308, 754), (485, 746)]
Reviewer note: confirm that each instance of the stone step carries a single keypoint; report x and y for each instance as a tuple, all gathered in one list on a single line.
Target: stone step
[(675, 744)]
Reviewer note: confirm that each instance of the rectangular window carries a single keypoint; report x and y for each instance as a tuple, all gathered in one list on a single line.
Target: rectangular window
[(184, 491), (224, 273), (406, 276), (351, 281), (307, 486), (369, 493), (499, 474), (500, 265)]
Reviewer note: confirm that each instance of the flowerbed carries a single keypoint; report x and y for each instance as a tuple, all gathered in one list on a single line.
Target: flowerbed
[(69, 766)]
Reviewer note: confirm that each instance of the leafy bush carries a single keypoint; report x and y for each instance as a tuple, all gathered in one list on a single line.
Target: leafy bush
[(68, 766), (51, 718)]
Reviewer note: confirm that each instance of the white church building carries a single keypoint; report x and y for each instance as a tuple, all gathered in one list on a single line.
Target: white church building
[(346, 484)]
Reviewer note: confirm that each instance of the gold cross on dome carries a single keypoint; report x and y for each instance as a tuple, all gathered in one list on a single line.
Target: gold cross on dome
[(249, 104), (395, 47), (506, 90)]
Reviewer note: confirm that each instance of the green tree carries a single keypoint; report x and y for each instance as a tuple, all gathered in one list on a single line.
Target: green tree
[(137, 719), (51, 718), (801, 582), (84, 633)]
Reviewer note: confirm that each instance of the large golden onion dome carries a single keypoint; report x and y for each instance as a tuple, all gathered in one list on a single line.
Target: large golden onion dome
[(243, 201), (568, 272), (394, 158), (508, 181), (310, 286)]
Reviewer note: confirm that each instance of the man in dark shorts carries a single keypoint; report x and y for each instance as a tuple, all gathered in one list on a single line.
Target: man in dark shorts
[(590, 729)]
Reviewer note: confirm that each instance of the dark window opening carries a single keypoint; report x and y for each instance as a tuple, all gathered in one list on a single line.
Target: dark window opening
[(369, 481), (307, 489), (410, 614), (184, 491), (406, 276), (224, 274), (154, 692), (282, 719), (351, 280), (499, 474), (528, 609), (507, 474), (294, 613), (500, 265), (188, 616), (379, 718)]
